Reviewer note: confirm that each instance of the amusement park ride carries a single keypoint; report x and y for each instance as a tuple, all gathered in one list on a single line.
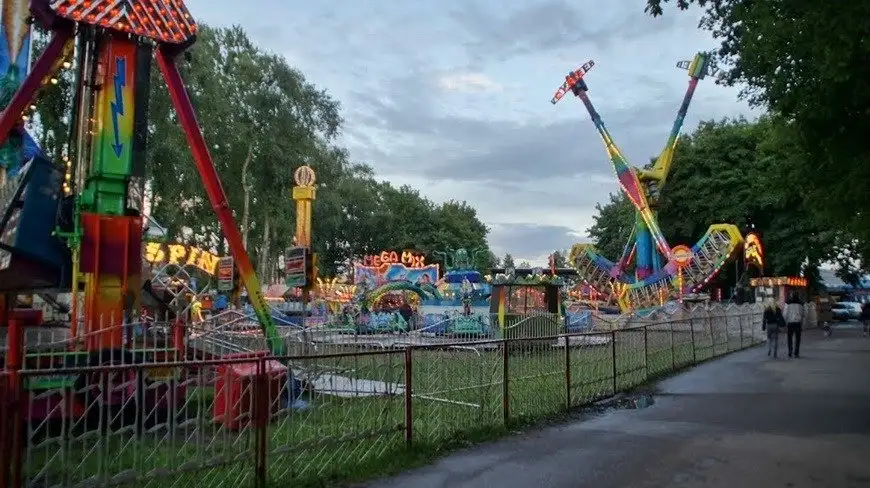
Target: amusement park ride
[(79, 224), (660, 271)]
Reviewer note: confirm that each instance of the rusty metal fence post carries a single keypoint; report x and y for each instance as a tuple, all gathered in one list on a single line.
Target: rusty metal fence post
[(409, 405), (568, 401), (646, 349), (613, 355), (505, 388), (727, 334), (740, 320), (694, 349), (673, 348), (5, 429), (712, 336), (15, 413), (12, 441), (261, 412)]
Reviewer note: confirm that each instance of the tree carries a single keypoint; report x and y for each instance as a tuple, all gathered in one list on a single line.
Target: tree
[(612, 226), (507, 262), (560, 259), (458, 226), (53, 104), (524, 265), (806, 62), (408, 220), (268, 120), (263, 119)]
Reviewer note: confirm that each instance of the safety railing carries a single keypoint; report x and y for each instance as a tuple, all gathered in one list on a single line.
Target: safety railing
[(246, 418)]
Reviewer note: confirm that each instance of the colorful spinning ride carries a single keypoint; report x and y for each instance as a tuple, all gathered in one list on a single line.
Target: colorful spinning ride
[(114, 42), (660, 271)]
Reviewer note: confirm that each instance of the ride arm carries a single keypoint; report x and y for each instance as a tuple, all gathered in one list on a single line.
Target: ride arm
[(698, 69), (166, 60), (626, 175)]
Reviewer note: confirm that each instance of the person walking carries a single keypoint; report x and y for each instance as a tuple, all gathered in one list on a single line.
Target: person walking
[(794, 319), (771, 323)]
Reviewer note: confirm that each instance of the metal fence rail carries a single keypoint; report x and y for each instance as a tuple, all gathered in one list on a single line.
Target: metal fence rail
[(247, 419)]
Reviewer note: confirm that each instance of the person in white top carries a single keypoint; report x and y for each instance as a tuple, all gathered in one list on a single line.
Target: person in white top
[(793, 313)]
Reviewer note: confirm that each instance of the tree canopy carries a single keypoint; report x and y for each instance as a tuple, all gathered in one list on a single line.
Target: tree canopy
[(263, 119), (806, 62)]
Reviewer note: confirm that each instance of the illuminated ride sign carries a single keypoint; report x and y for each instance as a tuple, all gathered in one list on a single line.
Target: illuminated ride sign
[(681, 255), (779, 281), (181, 255), (753, 252), (388, 266), (386, 258)]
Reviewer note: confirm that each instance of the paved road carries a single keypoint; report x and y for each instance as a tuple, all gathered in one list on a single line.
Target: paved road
[(741, 420)]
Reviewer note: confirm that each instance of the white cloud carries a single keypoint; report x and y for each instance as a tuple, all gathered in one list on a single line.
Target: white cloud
[(452, 97), (468, 82)]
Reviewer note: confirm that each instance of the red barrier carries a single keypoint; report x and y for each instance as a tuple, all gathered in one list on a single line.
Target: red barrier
[(234, 395), (10, 435), (5, 429)]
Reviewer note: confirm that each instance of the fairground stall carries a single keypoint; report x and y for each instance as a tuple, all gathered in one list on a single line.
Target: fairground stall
[(779, 288), (390, 287), (526, 306)]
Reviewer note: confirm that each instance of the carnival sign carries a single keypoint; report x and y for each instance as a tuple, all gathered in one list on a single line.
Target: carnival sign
[(181, 255), (681, 255), (294, 267), (225, 274), (386, 258)]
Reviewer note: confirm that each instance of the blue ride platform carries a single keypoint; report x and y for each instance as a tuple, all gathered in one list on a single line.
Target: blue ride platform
[(31, 255)]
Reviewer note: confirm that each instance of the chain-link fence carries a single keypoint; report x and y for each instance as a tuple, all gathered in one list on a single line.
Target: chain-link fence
[(337, 410)]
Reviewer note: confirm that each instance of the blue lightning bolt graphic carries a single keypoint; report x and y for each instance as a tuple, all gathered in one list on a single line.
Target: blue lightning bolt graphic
[(118, 104)]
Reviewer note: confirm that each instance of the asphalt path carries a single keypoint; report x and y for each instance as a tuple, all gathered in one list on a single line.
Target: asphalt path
[(742, 420)]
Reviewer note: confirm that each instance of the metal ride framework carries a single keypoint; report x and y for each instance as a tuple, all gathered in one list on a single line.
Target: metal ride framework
[(114, 42), (660, 271)]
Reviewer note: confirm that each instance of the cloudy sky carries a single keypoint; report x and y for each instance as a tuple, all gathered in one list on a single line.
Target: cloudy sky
[(452, 96)]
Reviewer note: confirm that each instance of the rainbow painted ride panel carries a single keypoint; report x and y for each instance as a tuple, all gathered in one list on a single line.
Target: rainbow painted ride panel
[(111, 239), (112, 160), (652, 283)]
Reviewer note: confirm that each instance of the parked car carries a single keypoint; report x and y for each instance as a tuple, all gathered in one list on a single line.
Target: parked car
[(846, 310)]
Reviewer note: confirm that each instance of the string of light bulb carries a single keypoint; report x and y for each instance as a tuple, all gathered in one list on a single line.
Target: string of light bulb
[(51, 78)]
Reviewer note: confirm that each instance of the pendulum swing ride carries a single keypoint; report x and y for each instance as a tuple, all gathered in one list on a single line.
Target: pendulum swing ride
[(79, 224), (661, 272)]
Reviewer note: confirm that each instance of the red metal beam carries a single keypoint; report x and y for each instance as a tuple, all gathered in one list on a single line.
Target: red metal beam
[(11, 116), (166, 59)]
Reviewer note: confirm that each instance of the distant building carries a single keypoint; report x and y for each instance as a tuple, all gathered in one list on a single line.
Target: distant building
[(836, 286)]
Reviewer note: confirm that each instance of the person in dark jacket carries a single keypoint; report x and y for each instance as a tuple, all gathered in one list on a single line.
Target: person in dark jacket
[(794, 320), (406, 312), (771, 322)]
